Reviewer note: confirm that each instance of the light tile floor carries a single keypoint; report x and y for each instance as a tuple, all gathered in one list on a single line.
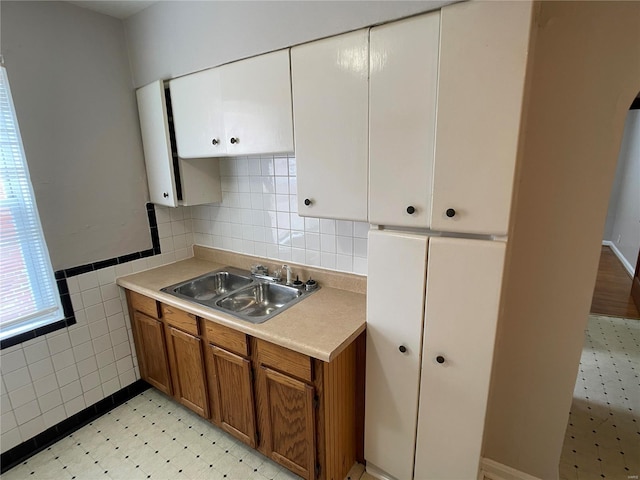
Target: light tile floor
[(603, 434), (149, 437)]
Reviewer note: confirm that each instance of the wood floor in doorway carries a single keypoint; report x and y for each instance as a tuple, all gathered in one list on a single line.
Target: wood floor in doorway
[(612, 294)]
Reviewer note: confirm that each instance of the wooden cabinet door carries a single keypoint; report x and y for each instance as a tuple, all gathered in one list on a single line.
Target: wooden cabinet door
[(464, 279), (152, 352), (234, 383), (402, 116), (394, 323), (187, 362), (483, 63), (197, 114), (154, 129), (256, 97), (330, 115), (290, 435)]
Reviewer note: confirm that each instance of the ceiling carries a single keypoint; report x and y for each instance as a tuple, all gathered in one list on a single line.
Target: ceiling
[(118, 9)]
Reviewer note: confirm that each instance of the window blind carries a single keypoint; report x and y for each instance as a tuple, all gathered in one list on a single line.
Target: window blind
[(29, 296)]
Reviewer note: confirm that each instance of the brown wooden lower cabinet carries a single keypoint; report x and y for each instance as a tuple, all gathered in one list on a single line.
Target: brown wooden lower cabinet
[(230, 376), (187, 367), (152, 351), (303, 413), (290, 429), (310, 412)]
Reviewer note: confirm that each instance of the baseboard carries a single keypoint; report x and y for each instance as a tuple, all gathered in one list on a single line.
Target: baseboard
[(376, 473), (25, 450), (625, 263), (492, 470)]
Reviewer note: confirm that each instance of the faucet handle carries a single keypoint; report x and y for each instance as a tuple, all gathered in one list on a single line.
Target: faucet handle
[(277, 275), (259, 270)]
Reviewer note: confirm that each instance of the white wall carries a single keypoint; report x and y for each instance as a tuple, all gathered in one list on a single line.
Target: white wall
[(173, 38), (75, 102), (583, 76), (623, 216)]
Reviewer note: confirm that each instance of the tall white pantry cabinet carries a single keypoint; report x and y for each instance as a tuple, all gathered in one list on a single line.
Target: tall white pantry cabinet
[(433, 295)]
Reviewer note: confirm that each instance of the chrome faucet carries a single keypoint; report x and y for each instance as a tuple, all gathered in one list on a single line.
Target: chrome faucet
[(287, 269)]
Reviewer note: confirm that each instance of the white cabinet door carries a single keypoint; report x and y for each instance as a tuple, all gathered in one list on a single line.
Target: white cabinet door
[(330, 114), (200, 181), (197, 114), (256, 96), (395, 293), (156, 144), (463, 292), (402, 113), (483, 59)]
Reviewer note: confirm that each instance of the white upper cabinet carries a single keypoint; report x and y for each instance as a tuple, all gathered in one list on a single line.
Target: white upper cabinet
[(257, 105), (242, 108), (172, 181), (330, 112), (197, 114), (483, 59), (156, 144), (464, 279), (402, 114)]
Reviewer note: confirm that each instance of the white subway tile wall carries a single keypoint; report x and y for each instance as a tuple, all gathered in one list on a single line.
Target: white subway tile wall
[(48, 379), (258, 215)]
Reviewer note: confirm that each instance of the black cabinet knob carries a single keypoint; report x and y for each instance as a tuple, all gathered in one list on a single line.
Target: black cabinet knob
[(440, 359), (214, 141), (165, 194), (307, 202), (234, 140), (411, 209), (450, 212), (402, 349)]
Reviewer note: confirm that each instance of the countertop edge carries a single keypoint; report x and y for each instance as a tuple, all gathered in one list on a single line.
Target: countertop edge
[(236, 324)]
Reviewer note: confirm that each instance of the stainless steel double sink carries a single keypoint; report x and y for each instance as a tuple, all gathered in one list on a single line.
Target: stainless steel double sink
[(238, 293)]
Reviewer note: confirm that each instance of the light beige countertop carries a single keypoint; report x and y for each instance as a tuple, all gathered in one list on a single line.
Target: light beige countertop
[(321, 325)]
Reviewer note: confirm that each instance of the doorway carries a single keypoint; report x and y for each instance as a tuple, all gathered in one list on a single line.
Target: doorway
[(602, 436)]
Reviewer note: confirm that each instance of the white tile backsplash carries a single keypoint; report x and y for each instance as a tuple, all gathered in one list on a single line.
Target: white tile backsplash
[(13, 360), (22, 395), (41, 369), (258, 216), (50, 400)]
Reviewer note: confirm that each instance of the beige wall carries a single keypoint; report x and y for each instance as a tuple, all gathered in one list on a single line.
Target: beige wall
[(585, 73), (71, 85)]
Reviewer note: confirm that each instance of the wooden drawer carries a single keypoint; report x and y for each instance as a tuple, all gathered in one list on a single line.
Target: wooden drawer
[(226, 337), (187, 322), (284, 360), (143, 304)]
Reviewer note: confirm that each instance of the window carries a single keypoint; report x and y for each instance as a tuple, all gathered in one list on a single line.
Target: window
[(29, 297)]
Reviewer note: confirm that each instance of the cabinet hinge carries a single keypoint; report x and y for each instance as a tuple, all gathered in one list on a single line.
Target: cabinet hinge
[(316, 401)]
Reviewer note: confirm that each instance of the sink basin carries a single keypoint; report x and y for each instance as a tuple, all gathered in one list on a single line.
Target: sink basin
[(238, 293), (207, 288), (259, 301)]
